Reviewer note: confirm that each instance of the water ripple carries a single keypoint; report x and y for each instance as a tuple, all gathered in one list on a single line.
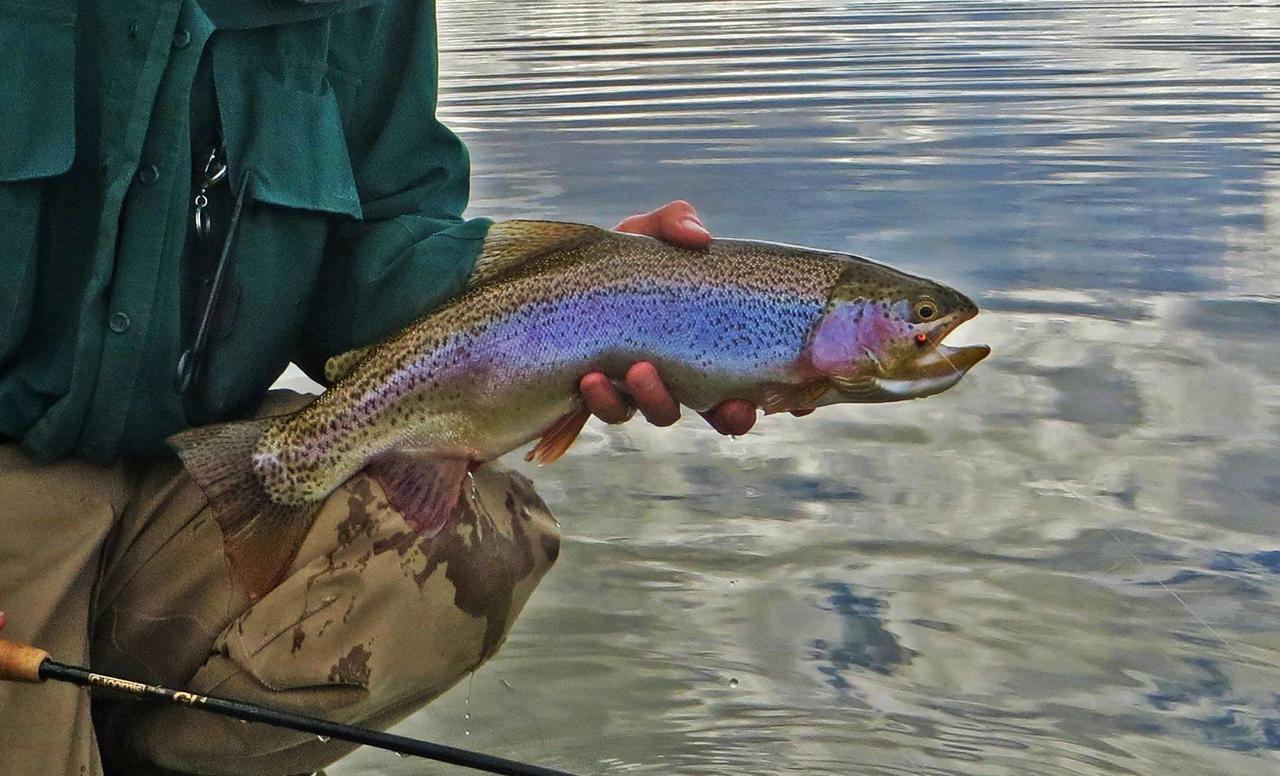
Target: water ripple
[(1067, 564)]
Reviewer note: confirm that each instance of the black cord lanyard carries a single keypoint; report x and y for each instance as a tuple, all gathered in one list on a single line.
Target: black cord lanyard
[(191, 362)]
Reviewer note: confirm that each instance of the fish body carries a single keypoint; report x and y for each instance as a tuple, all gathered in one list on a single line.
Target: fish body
[(498, 366)]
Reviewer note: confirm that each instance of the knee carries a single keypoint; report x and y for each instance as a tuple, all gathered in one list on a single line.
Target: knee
[(372, 622)]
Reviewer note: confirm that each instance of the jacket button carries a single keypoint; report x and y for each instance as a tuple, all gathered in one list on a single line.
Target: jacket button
[(149, 174), (181, 39), (119, 323)]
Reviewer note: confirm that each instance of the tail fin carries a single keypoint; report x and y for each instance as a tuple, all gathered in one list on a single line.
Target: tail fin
[(261, 536)]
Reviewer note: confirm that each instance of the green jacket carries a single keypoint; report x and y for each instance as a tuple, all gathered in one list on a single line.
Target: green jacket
[(350, 225)]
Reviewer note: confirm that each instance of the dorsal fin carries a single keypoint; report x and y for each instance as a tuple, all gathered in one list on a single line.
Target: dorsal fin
[(511, 243), (508, 244), (341, 365)]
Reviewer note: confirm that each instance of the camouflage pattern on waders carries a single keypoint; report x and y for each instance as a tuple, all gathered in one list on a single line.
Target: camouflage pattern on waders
[(372, 621)]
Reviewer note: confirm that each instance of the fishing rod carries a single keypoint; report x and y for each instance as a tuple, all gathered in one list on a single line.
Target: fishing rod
[(25, 663)]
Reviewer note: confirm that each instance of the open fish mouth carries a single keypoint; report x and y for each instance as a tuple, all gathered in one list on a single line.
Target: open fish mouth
[(939, 366), (942, 360)]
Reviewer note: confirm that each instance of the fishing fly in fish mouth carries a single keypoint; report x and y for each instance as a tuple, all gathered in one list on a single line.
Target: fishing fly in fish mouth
[(880, 338), (783, 327)]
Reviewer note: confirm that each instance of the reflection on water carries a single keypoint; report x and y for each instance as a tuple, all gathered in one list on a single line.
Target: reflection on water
[(1068, 564), (864, 642)]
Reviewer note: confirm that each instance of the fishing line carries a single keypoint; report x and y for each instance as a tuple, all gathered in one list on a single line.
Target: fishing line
[(950, 363), (1230, 647)]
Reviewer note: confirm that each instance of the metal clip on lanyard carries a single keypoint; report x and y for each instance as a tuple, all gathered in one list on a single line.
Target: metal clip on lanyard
[(215, 169), (191, 362)]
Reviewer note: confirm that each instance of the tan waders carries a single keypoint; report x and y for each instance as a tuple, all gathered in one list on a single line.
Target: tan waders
[(122, 568)]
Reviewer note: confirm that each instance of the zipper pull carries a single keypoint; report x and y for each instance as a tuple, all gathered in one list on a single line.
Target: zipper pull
[(215, 169)]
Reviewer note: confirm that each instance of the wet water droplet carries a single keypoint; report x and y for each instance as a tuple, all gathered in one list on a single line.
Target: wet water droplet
[(322, 739), (733, 582), (402, 754), (733, 682), (466, 710)]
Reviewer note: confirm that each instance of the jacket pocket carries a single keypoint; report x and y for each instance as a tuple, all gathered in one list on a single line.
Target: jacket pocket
[(290, 143), (37, 142), (287, 157)]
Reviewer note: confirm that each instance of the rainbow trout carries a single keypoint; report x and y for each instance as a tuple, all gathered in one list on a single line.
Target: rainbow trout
[(498, 366)]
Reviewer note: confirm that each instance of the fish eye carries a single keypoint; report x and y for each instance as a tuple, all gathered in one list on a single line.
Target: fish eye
[(926, 309)]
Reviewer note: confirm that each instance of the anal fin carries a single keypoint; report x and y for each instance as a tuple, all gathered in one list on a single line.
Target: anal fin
[(424, 490), (559, 435)]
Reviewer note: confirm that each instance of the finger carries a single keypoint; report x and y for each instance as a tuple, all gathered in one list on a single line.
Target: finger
[(687, 233), (603, 400), (651, 223), (734, 417), (679, 224), (652, 397), (644, 223), (675, 222)]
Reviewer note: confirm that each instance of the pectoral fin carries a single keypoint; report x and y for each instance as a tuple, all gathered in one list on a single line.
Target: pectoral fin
[(559, 436), (784, 397)]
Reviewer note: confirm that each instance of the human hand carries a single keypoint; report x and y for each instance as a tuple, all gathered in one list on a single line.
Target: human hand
[(677, 223)]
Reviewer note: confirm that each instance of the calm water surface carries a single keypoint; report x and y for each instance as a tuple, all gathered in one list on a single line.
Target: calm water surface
[(1069, 564)]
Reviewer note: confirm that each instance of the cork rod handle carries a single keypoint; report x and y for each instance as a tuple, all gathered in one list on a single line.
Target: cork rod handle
[(21, 662)]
